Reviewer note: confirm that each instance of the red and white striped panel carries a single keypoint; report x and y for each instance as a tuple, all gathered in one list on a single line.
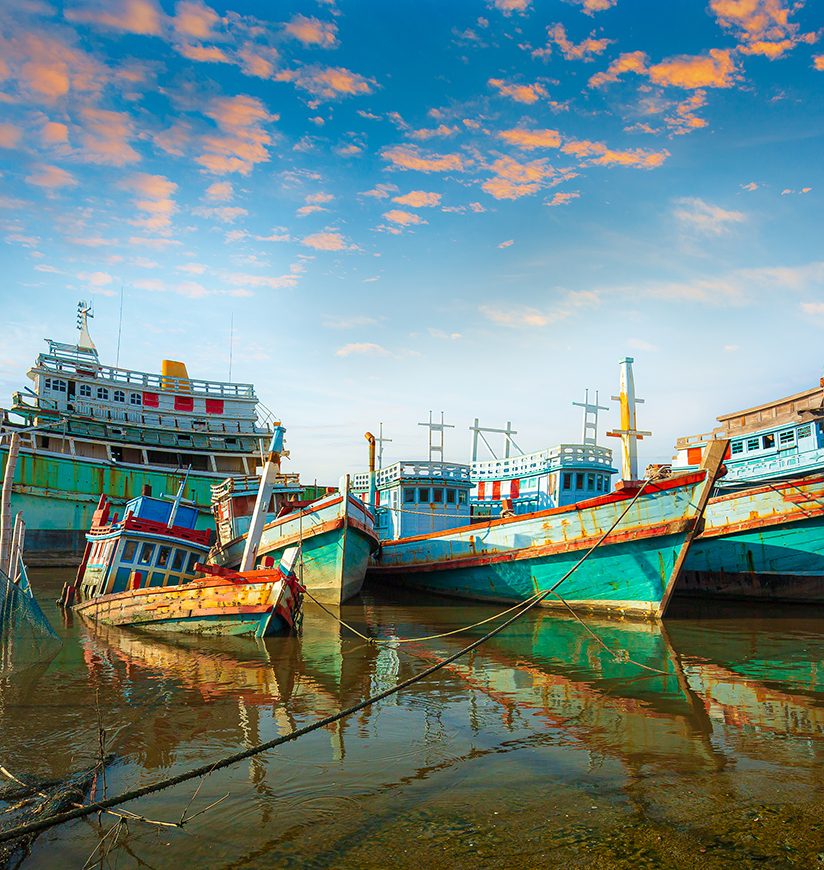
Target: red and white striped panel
[(495, 490)]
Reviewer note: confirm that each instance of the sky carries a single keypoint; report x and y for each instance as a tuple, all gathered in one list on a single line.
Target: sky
[(374, 210)]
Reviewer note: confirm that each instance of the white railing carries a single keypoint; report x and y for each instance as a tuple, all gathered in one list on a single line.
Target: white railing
[(449, 472), (51, 363), (542, 461)]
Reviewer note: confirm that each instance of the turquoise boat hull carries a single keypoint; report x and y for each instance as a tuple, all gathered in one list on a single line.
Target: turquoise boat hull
[(512, 559), (764, 543), (335, 547)]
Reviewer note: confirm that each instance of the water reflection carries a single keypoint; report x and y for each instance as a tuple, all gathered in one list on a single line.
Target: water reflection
[(668, 726)]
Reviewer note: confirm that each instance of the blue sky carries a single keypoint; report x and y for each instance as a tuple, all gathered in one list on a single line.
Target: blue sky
[(475, 207)]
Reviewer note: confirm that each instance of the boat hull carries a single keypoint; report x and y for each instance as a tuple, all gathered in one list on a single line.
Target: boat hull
[(204, 607), (764, 543), (335, 547), (510, 560)]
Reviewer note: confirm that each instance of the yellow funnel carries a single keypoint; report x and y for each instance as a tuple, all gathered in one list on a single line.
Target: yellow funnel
[(172, 368)]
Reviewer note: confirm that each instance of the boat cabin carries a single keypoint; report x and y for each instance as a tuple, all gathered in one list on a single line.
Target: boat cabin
[(415, 498), (778, 439), (234, 500), (538, 481), (155, 544)]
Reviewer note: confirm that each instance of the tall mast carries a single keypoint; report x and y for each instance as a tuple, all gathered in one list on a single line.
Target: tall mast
[(629, 434), (84, 312), (589, 434)]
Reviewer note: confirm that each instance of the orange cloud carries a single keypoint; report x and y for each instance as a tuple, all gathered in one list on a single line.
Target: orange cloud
[(433, 132), (418, 199), (409, 157), (520, 93), (763, 26), (714, 70), (311, 31), (585, 50), (818, 61), (104, 137), (531, 139), (510, 6), (598, 154), (684, 119), (325, 242), (404, 218), (131, 16), (154, 197), (9, 135), (590, 7), (513, 180), (47, 68), (194, 20), (51, 177), (319, 197), (54, 133), (204, 53), (631, 61), (220, 191), (562, 198), (327, 82), (242, 140)]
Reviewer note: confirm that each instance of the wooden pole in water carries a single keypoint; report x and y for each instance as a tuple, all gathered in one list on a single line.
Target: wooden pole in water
[(17, 547), (5, 504)]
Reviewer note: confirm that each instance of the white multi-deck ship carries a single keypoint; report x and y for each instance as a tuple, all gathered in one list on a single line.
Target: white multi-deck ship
[(89, 428)]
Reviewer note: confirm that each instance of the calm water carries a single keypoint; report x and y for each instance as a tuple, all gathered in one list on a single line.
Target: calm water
[(539, 748)]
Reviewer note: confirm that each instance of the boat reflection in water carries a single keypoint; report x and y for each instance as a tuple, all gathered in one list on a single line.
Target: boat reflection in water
[(541, 739)]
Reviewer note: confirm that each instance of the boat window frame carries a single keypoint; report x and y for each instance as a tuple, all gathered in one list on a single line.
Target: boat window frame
[(160, 549), (424, 499), (178, 560), (409, 495), (736, 447), (102, 394), (140, 559), (437, 495), (84, 391), (131, 557)]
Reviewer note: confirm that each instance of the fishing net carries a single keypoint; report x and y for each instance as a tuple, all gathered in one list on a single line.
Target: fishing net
[(26, 636)]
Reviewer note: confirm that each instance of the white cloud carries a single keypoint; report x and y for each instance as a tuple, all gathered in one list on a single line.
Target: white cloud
[(366, 348), (705, 218)]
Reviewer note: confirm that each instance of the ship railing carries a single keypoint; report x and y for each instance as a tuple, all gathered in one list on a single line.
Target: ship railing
[(446, 471), (188, 386), (542, 460), (691, 440), (108, 412)]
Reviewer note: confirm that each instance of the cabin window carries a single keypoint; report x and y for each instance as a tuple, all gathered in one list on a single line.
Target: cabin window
[(423, 495), (178, 559), (462, 497), (737, 447), (408, 495), (450, 496), (591, 482), (786, 437), (135, 399), (193, 560), (437, 495), (128, 551), (566, 480), (768, 440), (163, 556), (85, 390), (753, 444), (55, 384), (146, 554), (599, 483), (804, 431), (579, 480), (119, 396), (103, 393)]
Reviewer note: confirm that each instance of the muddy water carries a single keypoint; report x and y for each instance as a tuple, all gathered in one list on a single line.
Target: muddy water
[(540, 748)]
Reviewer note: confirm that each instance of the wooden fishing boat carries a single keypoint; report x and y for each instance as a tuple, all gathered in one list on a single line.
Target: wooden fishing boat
[(336, 534), (250, 603), (763, 530), (145, 571)]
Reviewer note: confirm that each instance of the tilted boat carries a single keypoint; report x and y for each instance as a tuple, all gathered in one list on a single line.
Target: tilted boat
[(145, 572), (89, 428), (639, 536), (336, 533), (763, 530)]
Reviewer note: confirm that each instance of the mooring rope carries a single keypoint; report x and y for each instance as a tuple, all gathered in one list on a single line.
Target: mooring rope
[(234, 758)]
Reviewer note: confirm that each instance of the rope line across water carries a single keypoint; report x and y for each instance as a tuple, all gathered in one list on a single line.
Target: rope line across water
[(234, 758)]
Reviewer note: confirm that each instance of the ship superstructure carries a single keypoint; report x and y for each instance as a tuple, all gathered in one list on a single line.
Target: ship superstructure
[(90, 428)]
